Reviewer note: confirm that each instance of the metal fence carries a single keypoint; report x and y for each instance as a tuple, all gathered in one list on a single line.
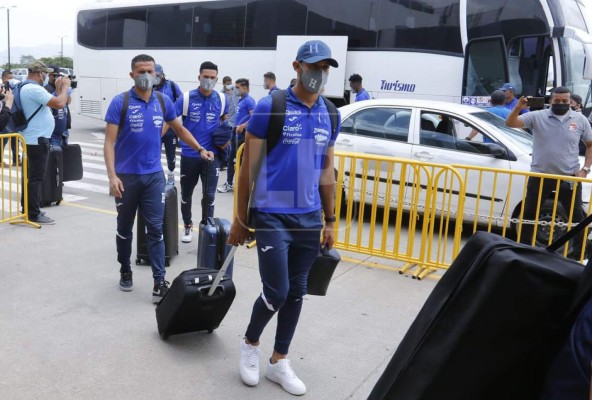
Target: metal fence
[(13, 191)]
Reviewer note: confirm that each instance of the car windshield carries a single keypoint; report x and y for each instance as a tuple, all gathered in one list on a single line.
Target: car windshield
[(519, 137)]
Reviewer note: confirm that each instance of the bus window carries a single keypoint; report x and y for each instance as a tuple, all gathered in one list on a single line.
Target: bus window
[(353, 18), (92, 28), (169, 26), (289, 18), (419, 25), (573, 66), (219, 24), (485, 67), (126, 28)]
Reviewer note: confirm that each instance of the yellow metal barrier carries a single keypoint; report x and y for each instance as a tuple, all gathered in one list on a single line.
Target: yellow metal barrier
[(381, 199), (13, 175)]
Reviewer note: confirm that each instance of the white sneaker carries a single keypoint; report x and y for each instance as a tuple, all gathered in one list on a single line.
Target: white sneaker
[(171, 178), (225, 188), (249, 363), (282, 373), (187, 236)]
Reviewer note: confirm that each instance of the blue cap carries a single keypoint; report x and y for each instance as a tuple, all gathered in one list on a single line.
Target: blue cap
[(508, 86), (158, 69), (314, 51)]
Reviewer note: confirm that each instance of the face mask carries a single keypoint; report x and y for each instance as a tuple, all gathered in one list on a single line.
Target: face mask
[(236, 91), (207, 84), (144, 81), (158, 81), (228, 87), (45, 80), (314, 81), (560, 109)]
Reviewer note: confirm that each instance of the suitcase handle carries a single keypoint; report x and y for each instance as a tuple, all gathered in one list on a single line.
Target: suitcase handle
[(222, 270), (567, 236), (205, 290)]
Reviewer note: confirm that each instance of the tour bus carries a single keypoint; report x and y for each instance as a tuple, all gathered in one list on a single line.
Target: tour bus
[(451, 50)]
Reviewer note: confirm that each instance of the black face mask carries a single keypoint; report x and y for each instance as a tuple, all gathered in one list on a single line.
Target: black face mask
[(560, 109)]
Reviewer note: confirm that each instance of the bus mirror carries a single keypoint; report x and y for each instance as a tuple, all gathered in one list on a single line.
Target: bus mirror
[(588, 63)]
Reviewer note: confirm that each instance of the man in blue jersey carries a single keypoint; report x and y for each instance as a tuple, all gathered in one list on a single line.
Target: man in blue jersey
[(355, 83), (202, 109), (498, 108), (510, 95), (136, 121), (244, 109), (269, 82), (293, 189), (169, 139)]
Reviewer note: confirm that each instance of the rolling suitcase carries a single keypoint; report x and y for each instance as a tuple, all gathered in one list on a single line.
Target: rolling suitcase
[(51, 192), (197, 300), (170, 229), (72, 162), (212, 248), (491, 326)]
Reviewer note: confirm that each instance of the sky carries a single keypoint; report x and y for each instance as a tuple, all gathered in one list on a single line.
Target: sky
[(35, 24)]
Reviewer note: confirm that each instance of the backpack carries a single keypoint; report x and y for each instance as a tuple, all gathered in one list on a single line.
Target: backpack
[(19, 122), (278, 117), (125, 106)]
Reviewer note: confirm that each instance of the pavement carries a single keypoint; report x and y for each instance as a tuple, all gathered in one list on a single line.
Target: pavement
[(68, 332)]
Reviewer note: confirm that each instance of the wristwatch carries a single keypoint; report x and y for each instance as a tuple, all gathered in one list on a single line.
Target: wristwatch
[(330, 219), (586, 170)]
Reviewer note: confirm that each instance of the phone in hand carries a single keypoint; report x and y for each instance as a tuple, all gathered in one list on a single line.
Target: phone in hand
[(535, 103)]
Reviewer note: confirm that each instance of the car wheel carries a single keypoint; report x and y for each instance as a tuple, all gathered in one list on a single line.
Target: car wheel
[(545, 214)]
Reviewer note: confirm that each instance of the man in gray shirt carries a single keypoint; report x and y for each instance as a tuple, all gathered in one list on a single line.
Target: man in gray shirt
[(556, 132)]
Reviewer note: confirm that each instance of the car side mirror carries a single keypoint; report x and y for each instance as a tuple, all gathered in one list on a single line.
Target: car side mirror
[(498, 151)]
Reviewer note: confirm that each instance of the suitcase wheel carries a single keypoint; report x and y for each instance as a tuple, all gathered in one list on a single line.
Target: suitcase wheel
[(138, 261)]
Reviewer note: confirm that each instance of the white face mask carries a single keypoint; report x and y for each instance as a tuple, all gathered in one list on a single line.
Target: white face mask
[(229, 86), (46, 80)]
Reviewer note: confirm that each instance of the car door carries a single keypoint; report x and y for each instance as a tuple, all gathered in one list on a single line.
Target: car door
[(446, 138), (376, 130)]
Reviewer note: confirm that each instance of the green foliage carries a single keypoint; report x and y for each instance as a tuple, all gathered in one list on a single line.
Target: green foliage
[(65, 62)]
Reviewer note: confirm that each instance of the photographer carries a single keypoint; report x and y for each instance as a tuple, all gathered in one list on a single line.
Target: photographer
[(6, 99), (63, 120)]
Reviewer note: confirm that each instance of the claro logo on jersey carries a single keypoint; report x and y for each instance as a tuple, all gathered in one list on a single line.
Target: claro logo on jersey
[(397, 86), (292, 134)]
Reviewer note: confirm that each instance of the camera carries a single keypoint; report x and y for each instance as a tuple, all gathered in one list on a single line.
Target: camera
[(73, 81)]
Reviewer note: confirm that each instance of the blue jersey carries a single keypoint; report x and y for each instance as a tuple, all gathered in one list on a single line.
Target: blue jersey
[(202, 120), (137, 148), (245, 105), (167, 88), (362, 95), (510, 106), (289, 181)]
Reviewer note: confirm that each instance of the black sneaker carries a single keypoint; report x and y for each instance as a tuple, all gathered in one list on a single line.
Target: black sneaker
[(160, 289), (126, 282)]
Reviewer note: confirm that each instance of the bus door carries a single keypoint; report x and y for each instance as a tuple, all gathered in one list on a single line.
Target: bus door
[(486, 68), (530, 65)]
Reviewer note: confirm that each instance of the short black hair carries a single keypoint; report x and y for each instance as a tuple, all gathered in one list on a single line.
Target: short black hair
[(498, 98), (560, 90), (293, 82), (227, 79), (355, 78), (269, 75), (5, 73), (208, 65), (577, 98), (141, 58), (243, 82)]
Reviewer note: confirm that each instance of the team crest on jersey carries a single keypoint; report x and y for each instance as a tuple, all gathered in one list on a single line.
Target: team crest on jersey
[(573, 127)]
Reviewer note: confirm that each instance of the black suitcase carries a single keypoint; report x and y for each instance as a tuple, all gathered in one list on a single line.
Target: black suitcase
[(489, 329), (51, 192), (170, 230), (212, 248), (190, 305), (321, 272), (72, 162)]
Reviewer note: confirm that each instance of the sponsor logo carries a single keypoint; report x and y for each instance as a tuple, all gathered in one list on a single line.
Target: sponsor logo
[(320, 139), (266, 248), (573, 127), (293, 112), (295, 128), (397, 86), (134, 107), (292, 119), (118, 204)]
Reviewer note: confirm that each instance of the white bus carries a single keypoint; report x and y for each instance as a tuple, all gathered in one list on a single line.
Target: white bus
[(451, 50)]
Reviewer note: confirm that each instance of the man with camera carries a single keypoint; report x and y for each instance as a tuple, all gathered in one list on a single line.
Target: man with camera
[(7, 76), (62, 118), (36, 103), (556, 133)]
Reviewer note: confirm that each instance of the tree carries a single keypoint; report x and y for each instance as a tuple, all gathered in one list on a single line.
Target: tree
[(64, 62), (27, 59)]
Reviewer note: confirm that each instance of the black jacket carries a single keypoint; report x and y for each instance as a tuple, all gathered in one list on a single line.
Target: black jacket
[(5, 115)]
